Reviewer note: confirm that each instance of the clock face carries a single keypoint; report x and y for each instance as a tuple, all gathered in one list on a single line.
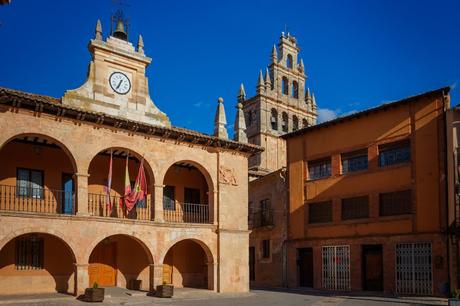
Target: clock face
[(120, 83)]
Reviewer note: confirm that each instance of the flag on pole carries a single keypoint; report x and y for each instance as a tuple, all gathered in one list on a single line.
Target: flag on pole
[(109, 184), (127, 183), (139, 192)]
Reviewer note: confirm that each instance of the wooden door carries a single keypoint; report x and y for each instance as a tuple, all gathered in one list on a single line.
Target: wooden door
[(167, 274), (305, 262), (372, 263), (102, 268)]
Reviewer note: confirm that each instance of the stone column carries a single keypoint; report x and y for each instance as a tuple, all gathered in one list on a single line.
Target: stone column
[(212, 200), (156, 275), (158, 203), (212, 276), (81, 182), (81, 278)]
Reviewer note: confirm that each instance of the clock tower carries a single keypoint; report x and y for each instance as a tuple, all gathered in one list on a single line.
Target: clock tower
[(116, 82)]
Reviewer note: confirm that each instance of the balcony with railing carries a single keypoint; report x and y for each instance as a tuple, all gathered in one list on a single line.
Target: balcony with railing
[(36, 200), (261, 218), (52, 201), (188, 213), (98, 206)]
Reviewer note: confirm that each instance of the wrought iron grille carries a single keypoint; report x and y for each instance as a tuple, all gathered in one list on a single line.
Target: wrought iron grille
[(336, 267), (414, 273)]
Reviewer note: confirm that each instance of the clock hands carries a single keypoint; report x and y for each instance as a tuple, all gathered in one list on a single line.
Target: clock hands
[(121, 81)]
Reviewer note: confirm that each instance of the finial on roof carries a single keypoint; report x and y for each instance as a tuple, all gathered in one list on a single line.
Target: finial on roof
[(268, 81), (98, 31), (260, 83), (241, 94), (274, 54), (140, 45), (220, 120), (301, 66), (308, 95), (239, 129), (314, 102)]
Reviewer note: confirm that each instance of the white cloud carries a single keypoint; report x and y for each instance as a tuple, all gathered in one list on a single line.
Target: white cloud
[(348, 113), (325, 114), (201, 104)]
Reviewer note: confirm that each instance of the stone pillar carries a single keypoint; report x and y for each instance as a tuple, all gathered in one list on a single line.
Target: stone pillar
[(81, 182), (212, 200), (158, 203), (81, 278), (156, 274), (212, 276)]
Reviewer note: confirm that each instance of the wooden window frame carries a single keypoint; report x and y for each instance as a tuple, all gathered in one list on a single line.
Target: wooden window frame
[(29, 193)]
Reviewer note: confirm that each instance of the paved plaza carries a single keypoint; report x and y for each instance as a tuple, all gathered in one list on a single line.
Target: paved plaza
[(197, 297)]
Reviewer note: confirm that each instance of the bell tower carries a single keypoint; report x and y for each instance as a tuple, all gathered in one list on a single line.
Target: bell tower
[(116, 82), (282, 104)]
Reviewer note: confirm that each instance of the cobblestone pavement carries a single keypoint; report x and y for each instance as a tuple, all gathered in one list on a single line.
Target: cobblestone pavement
[(193, 297)]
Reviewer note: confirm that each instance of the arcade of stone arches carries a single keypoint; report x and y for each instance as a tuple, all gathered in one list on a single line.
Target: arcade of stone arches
[(39, 174)]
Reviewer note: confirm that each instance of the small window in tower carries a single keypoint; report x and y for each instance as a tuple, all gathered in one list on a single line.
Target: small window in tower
[(285, 85), (289, 61), (295, 90), (304, 123), (295, 123), (274, 119), (285, 125)]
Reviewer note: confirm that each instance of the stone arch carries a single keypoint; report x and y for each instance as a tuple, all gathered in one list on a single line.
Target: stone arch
[(210, 256), (188, 190), (122, 260), (274, 119), (199, 166), (40, 255), (43, 230), (58, 142), (188, 262), (138, 156), (98, 169), (289, 61), (285, 85), (99, 239)]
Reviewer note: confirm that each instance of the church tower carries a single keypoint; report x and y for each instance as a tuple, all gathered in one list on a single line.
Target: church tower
[(282, 104)]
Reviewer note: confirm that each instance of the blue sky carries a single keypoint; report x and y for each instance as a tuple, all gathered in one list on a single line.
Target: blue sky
[(358, 54)]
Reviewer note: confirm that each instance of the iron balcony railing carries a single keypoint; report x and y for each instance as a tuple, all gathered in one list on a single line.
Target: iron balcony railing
[(188, 213), (38, 200), (261, 218), (98, 206)]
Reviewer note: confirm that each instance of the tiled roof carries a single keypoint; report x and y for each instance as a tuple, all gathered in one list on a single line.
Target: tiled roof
[(47, 104), (383, 107)]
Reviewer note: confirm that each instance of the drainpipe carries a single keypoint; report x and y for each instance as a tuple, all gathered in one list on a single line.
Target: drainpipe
[(217, 206), (282, 175)]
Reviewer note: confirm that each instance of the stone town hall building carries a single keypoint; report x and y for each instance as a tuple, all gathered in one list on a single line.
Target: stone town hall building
[(56, 230)]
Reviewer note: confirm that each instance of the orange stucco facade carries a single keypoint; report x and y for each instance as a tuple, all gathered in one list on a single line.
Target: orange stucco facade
[(418, 120)]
